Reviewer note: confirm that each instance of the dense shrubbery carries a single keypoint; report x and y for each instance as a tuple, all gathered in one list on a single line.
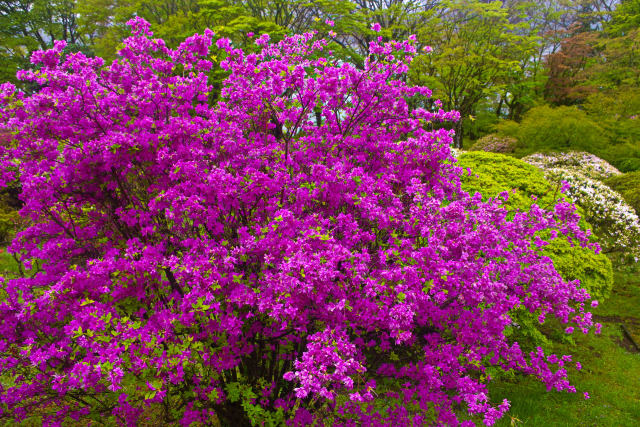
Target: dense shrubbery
[(628, 185), (555, 129), (495, 144), (625, 157), (617, 113), (614, 221), (586, 164), (300, 250), (9, 203), (563, 129), (493, 174)]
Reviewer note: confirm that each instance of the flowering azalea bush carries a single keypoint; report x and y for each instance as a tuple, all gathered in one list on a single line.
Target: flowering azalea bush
[(614, 222), (582, 162), (495, 143), (299, 252), (493, 173)]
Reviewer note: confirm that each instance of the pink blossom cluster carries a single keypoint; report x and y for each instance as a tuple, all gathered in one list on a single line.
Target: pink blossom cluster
[(495, 144), (299, 247)]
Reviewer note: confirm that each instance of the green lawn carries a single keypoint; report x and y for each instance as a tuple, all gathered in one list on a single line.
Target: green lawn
[(610, 373)]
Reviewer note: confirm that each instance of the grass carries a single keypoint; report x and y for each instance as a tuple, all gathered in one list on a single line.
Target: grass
[(8, 265), (610, 373)]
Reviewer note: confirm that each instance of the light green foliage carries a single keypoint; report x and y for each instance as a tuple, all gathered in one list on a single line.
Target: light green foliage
[(29, 25), (14, 45), (619, 65), (629, 186), (353, 20), (494, 173), (625, 18), (556, 129), (104, 21), (234, 19), (475, 48)]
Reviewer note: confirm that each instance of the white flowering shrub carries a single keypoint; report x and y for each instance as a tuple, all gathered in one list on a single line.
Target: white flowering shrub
[(614, 221), (584, 163)]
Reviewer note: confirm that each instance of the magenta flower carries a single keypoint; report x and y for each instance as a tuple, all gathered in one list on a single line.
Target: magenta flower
[(295, 241)]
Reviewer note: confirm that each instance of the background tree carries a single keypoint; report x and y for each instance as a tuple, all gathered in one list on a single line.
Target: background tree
[(475, 51), (104, 21), (26, 25), (568, 81), (544, 21)]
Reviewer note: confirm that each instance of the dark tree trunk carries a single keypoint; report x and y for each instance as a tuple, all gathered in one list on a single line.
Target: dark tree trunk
[(457, 139), (233, 415)]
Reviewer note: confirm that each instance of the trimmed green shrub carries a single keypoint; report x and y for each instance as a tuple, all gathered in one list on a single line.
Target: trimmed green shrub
[(593, 270), (629, 186), (555, 129), (625, 157), (617, 113), (494, 173)]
